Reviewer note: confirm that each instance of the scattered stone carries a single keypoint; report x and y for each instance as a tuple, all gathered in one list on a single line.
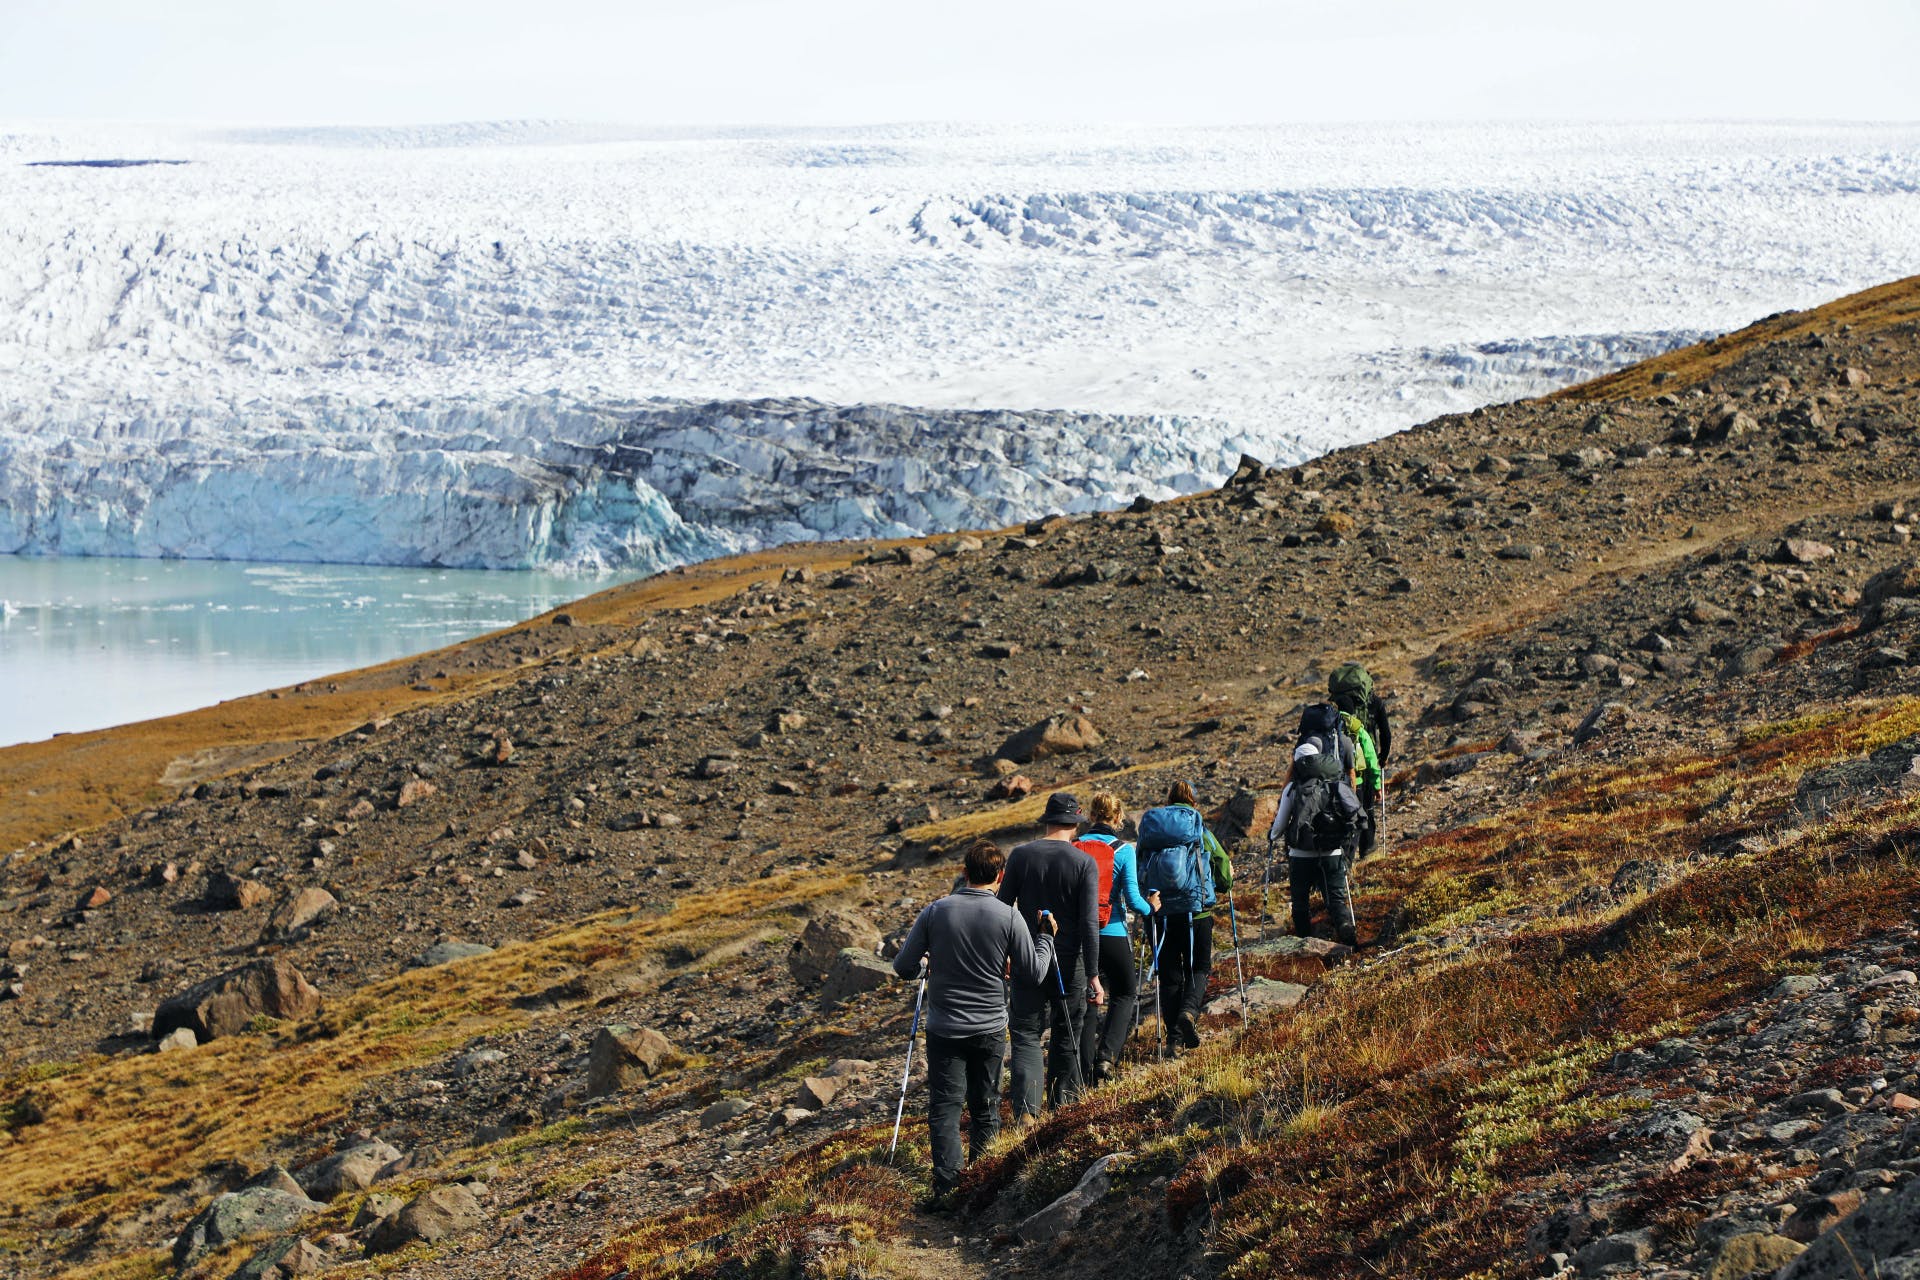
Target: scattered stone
[(1626, 1247), (1056, 735), (1262, 993), (297, 913), (622, 1056), (1064, 1214), (228, 1003), (227, 892), (354, 1169), (1883, 1229), (375, 1209), (721, 1112), (414, 790), (235, 1215), (1751, 1253), (853, 973), (1604, 718), (447, 952), (284, 1259), (93, 899), (825, 937), (1011, 788), (433, 1215), (818, 1092)]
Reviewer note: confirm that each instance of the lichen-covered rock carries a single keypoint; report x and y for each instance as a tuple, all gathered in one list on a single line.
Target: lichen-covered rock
[(236, 1215), (434, 1214), (227, 1003)]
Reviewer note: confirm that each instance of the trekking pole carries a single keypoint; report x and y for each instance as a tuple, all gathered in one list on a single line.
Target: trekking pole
[(1159, 1013), (1266, 918), (1238, 969), (907, 1072)]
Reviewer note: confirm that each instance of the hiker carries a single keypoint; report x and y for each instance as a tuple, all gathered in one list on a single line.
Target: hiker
[(1318, 816), (1050, 875), (1352, 690), (1336, 732), (1180, 859), (1119, 894), (970, 940)]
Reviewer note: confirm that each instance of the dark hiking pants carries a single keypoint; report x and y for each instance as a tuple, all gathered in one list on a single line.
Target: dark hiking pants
[(1328, 874), (1034, 1009), (1186, 962), (1104, 1041), (961, 1069)]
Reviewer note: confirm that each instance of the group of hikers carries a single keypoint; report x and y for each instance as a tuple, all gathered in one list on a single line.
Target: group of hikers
[(1033, 941)]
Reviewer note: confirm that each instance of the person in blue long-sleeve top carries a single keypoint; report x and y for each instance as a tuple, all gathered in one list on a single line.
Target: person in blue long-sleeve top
[(1102, 841)]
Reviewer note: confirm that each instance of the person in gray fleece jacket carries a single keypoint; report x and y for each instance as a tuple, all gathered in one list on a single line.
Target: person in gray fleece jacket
[(972, 943)]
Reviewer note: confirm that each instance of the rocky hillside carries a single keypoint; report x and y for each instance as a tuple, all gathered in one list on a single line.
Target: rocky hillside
[(562, 958)]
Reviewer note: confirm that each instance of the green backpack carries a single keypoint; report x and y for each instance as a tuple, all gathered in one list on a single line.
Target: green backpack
[(1351, 688)]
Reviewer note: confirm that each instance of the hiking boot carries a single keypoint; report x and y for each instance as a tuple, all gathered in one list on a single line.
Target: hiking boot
[(1102, 1071), (941, 1201), (1186, 1032), (1348, 938)]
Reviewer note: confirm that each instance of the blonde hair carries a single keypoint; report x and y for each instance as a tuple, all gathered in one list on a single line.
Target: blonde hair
[(1107, 808)]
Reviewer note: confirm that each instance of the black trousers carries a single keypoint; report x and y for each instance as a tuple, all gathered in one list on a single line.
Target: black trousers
[(1034, 1010), (1328, 874), (1103, 1043), (961, 1069), (1186, 962)]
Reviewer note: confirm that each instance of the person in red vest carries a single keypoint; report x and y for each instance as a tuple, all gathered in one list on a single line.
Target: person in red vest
[(1119, 894)]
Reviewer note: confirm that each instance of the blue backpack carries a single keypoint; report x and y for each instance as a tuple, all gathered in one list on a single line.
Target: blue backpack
[(1173, 858)]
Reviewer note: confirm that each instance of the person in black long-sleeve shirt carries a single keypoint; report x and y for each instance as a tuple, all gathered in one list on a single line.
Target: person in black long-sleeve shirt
[(1050, 875)]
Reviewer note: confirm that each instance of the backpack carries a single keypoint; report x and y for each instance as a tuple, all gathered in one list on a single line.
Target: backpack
[(1323, 819), (1172, 849), (1100, 849), (1351, 688), (1320, 724)]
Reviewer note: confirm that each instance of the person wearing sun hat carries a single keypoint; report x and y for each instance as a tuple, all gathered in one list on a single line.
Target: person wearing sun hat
[(1050, 875), (1318, 816)]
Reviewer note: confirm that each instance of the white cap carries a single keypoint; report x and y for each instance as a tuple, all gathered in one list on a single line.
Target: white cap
[(1304, 750)]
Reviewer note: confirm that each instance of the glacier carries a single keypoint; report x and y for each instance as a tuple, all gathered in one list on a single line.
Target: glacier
[(518, 344)]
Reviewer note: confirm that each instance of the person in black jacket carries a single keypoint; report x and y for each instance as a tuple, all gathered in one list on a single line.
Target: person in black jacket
[(1050, 875)]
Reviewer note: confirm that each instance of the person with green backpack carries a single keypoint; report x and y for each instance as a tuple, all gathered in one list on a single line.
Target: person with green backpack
[(1352, 689), (1180, 860)]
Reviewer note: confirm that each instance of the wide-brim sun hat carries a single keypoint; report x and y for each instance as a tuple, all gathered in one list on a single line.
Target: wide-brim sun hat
[(1063, 810)]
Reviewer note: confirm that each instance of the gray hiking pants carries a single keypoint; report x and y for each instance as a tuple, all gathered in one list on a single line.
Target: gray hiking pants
[(1034, 1008)]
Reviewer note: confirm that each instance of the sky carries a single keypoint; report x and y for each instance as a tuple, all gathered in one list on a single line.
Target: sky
[(850, 62)]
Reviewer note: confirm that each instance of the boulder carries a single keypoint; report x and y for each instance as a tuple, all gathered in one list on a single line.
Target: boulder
[(446, 952), (1064, 1214), (622, 1056), (724, 1110), (855, 972), (1604, 717), (354, 1169), (295, 915), (1248, 815), (284, 1259), (413, 791), (1882, 1238), (178, 1038), (1262, 993), (1801, 551), (235, 1215), (433, 1215), (228, 892), (824, 938), (1751, 1253), (1823, 791), (1056, 735), (228, 1003), (818, 1092), (375, 1209)]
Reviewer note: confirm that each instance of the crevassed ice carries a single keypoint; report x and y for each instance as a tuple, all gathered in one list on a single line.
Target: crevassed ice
[(521, 344)]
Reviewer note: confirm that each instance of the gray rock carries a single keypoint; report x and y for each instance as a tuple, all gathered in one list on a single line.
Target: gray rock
[(447, 952), (236, 1215), (622, 1056), (1751, 1253), (375, 1209), (825, 937), (1063, 1214), (1823, 792), (854, 973), (1056, 735), (354, 1169), (227, 1003), (295, 916), (282, 1260), (178, 1038), (1881, 1238), (1605, 717), (1797, 984), (1623, 1247), (1262, 993), (479, 1060), (432, 1215), (724, 1110)]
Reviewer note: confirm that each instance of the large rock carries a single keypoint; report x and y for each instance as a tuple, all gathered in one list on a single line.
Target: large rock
[(446, 952), (235, 1215), (296, 914), (432, 1215), (1262, 993), (1823, 791), (354, 1169), (855, 972), (824, 938), (228, 1003), (1881, 1238), (228, 892), (283, 1260), (1054, 736), (1064, 1214), (1247, 816), (622, 1056)]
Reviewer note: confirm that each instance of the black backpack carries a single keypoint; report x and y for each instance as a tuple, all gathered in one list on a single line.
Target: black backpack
[(1320, 725), (1351, 688), (1325, 817)]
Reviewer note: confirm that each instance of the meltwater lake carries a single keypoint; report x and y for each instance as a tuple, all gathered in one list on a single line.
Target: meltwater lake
[(89, 642)]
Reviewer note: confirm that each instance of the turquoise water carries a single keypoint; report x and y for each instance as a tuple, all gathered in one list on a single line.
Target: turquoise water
[(87, 642)]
